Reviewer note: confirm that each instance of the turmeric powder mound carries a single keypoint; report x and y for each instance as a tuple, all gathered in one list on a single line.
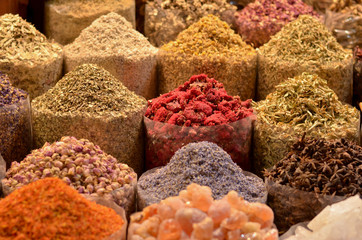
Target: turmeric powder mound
[(50, 209)]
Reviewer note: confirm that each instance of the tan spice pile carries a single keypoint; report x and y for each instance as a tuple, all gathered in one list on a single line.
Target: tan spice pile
[(305, 45), (65, 19), (90, 103), (164, 20), (301, 104), (32, 62), (209, 46), (111, 42)]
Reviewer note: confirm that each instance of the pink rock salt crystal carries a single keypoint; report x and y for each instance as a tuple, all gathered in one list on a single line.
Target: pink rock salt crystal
[(218, 211), (187, 217), (169, 229), (236, 220), (203, 230)]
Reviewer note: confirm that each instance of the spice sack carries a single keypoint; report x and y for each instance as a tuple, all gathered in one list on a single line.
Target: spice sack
[(65, 19)]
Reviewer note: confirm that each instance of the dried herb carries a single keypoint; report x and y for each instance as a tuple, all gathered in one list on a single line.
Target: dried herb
[(198, 110), (306, 39), (209, 37), (317, 165), (15, 122), (164, 20), (211, 47), (203, 163), (305, 45), (340, 5), (90, 103), (49, 209), (194, 214), (80, 164), (260, 20), (31, 61), (112, 43), (65, 19), (301, 104)]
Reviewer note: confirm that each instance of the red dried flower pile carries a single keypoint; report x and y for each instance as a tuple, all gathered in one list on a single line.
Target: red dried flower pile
[(201, 101), (198, 110)]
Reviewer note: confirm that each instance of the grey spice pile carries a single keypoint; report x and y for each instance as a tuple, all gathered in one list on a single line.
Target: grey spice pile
[(203, 163), (321, 166), (166, 19), (79, 163), (15, 125)]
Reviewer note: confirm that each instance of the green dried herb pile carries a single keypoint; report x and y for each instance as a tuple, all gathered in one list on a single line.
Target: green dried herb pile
[(301, 104), (211, 47), (305, 45), (49, 209), (331, 167), (90, 103), (305, 39)]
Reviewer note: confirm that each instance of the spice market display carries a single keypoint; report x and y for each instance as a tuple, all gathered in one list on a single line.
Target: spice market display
[(90, 103), (65, 19), (50, 209), (305, 45), (301, 104), (203, 163), (198, 110), (194, 214), (164, 20), (181, 120), (322, 171), (211, 47), (32, 62), (112, 43), (260, 20), (80, 164), (15, 122)]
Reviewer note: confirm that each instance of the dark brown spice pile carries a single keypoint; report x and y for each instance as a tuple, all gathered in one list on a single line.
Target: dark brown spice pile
[(321, 166)]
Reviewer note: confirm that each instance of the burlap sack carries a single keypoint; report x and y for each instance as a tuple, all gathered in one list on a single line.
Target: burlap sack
[(36, 78), (119, 136), (15, 131), (237, 75), (63, 25), (137, 73), (273, 70)]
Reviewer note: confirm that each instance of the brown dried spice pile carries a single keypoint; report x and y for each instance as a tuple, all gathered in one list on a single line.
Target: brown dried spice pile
[(111, 42), (339, 5), (321, 166), (166, 19), (90, 103), (307, 40), (20, 41), (211, 47), (301, 104)]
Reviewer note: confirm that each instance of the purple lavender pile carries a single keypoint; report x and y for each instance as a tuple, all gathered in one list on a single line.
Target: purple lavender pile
[(203, 163), (15, 123), (260, 20), (9, 94)]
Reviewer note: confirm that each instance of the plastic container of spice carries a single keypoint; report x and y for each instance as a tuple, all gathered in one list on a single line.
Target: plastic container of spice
[(281, 58), (164, 139), (211, 47), (15, 131), (64, 19), (292, 206)]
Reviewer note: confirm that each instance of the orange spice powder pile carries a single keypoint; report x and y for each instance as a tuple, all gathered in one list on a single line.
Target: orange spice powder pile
[(50, 209)]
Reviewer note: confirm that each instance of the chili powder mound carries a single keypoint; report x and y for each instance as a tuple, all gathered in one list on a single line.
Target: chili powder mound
[(201, 101), (50, 209)]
